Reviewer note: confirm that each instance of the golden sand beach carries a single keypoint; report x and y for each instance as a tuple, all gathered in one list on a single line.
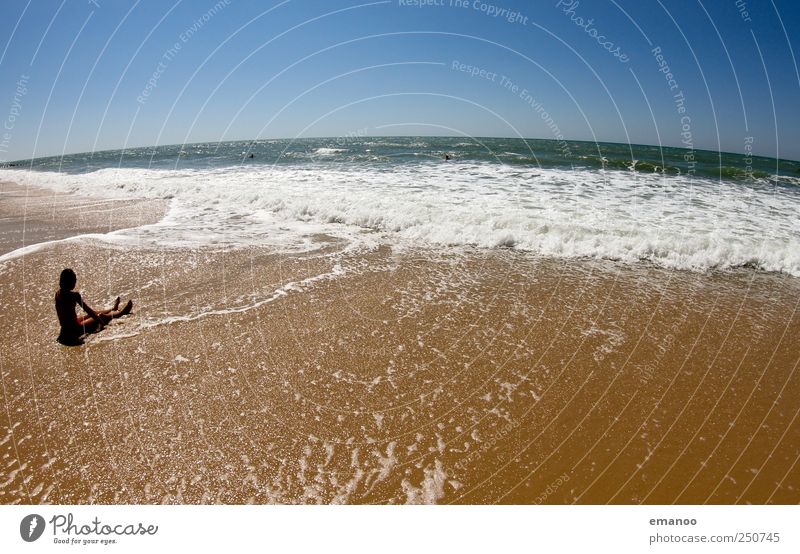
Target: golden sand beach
[(415, 376)]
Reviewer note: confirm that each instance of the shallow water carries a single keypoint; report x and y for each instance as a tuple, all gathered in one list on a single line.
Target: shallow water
[(400, 377)]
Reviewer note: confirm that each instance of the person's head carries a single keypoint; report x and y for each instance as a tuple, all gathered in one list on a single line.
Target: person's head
[(67, 280)]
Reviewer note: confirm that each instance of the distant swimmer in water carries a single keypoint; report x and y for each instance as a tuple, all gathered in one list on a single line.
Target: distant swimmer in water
[(73, 327), (447, 157), (250, 156)]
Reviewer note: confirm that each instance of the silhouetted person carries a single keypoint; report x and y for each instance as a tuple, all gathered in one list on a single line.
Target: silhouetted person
[(73, 327)]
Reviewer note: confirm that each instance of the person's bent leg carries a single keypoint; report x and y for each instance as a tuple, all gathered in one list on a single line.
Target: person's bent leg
[(90, 325), (114, 314), (87, 323)]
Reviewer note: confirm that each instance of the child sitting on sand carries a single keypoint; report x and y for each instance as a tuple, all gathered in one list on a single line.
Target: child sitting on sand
[(72, 326)]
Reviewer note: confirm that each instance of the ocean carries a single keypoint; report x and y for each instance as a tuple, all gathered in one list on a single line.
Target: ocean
[(361, 321), (675, 208)]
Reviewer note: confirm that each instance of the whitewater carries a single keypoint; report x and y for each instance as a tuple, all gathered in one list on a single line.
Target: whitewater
[(672, 221)]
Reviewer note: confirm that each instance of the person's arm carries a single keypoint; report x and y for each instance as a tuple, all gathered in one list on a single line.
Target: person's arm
[(89, 310)]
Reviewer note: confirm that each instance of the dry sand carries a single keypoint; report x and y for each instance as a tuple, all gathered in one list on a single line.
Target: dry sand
[(393, 377)]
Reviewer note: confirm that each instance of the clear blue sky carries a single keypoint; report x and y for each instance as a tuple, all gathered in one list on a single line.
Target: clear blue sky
[(334, 67)]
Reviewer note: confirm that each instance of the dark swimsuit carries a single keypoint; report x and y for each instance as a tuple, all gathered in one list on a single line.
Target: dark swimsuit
[(71, 330)]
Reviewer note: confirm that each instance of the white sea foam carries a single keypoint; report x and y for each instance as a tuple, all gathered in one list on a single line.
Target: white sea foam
[(278, 293), (671, 221), (328, 151), (431, 490)]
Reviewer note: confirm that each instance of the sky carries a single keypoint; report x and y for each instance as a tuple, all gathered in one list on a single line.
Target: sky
[(89, 75)]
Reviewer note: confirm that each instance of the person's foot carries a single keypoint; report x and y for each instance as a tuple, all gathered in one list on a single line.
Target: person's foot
[(116, 303), (128, 307)]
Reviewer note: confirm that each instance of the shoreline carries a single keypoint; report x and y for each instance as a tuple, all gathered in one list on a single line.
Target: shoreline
[(31, 215), (383, 377)]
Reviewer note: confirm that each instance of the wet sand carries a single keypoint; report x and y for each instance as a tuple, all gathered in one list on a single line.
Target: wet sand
[(30, 215), (392, 377)]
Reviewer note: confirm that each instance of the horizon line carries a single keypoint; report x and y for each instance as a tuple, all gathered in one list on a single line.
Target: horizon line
[(5, 164)]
